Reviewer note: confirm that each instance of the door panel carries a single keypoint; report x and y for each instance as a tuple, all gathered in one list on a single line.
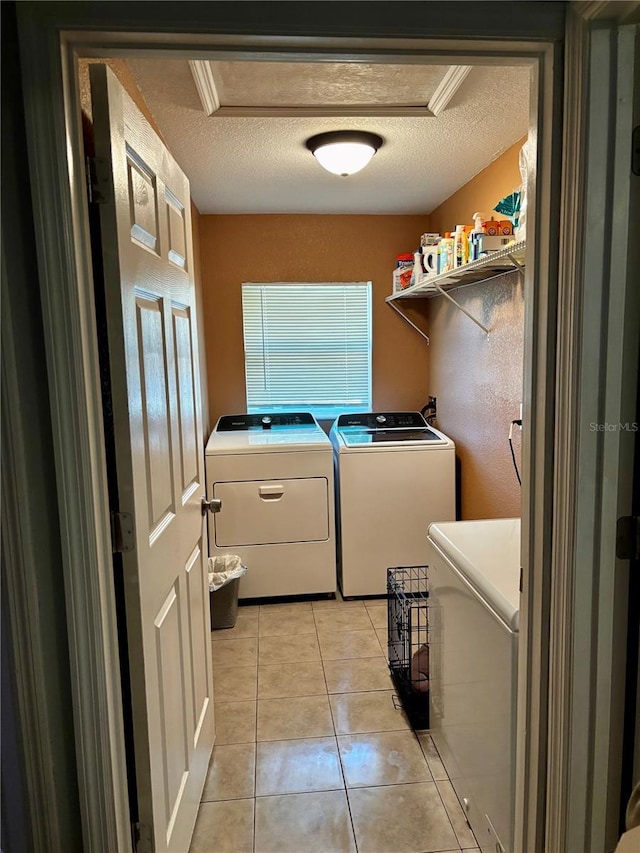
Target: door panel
[(150, 298), (155, 407), (168, 643), (182, 332), (143, 202), (197, 628), (177, 230)]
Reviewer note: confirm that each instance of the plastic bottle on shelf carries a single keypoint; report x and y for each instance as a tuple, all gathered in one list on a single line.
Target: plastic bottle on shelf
[(445, 253), (430, 260), (475, 238), (418, 267), (461, 247)]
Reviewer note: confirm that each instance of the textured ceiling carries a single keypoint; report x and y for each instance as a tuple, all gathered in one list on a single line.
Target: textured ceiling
[(261, 165), (310, 83)]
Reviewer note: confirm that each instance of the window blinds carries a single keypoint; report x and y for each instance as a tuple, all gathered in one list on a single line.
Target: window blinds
[(308, 347)]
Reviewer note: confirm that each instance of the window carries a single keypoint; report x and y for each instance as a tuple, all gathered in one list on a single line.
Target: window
[(308, 347)]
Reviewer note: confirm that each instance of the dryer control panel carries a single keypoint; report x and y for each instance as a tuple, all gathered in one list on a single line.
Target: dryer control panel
[(266, 420)]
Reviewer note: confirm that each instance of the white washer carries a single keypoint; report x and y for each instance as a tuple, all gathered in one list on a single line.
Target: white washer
[(395, 475), (274, 476), (474, 597)]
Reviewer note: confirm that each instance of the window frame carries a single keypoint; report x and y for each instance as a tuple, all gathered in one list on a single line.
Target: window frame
[(254, 339)]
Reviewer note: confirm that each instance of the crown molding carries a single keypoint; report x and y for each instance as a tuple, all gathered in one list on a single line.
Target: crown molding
[(205, 81), (448, 86), (205, 84)]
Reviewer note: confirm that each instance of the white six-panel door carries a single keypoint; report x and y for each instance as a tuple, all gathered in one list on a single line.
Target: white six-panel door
[(148, 270)]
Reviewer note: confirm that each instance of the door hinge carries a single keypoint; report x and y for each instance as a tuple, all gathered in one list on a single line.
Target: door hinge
[(141, 834), (628, 538), (635, 150), (121, 532), (99, 183)]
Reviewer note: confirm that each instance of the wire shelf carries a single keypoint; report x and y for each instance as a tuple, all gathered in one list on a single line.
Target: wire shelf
[(511, 257)]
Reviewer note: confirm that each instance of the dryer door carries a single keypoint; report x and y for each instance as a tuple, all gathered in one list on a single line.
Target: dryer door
[(272, 512)]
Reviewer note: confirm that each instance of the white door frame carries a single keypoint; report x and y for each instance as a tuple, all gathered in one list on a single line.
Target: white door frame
[(67, 301), (598, 331)]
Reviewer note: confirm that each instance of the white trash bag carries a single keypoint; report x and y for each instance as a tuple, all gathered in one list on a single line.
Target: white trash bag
[(224, 569), (526, 162)]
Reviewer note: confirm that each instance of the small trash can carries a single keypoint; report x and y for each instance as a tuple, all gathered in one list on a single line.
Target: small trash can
[(224, 582)]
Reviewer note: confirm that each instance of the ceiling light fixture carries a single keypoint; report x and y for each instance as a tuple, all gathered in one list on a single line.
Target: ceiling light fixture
[(344, 152)]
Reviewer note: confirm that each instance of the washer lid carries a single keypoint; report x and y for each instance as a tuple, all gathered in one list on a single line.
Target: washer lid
[(487, 555), (368, 428), (358, 436)]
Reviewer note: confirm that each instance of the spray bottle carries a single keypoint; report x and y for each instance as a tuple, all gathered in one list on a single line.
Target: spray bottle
[(475, 238)]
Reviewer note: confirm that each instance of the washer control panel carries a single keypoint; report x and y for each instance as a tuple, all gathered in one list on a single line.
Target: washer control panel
[(383, 420)]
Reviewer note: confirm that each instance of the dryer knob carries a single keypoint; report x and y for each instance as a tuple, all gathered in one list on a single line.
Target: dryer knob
[(381, 419), (266, 422)]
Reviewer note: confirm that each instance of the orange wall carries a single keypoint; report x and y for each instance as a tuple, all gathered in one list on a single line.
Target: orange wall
[(477, 380), (283, 247), (481, 193)]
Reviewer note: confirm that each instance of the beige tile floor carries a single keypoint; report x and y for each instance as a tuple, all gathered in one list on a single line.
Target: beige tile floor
[(312, 753)]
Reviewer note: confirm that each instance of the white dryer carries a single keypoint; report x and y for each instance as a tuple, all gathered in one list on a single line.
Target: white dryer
[(394, 475), (274, 476)]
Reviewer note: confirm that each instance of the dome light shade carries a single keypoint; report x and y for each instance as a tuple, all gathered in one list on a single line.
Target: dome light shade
[(344, 152)]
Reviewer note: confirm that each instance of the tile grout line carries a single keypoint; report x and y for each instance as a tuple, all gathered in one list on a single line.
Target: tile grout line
[(333, 722), (446, 811), (324, 675), (444, 805), (255, 735), (255, 803), (342, 770), (461, 810)]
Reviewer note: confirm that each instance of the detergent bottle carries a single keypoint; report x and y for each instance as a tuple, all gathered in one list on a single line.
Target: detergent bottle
[(445, 253), (460, 247)]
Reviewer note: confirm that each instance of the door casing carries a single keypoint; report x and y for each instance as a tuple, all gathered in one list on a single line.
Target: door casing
[(50, 44), (539, 336)]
